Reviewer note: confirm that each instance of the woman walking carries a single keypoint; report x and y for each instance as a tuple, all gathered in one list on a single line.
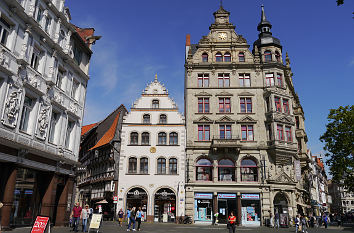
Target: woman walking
[(120, 217), (85, 213), (138, 217), (231, 224)]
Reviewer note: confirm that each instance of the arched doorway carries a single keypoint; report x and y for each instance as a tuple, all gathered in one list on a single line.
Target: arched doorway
[(281, 208), (137, 197), (165, 205)]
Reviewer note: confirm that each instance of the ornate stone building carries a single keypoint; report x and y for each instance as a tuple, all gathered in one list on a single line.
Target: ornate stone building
[(97, 176), (152, 162), (246, 142), (44, 63)]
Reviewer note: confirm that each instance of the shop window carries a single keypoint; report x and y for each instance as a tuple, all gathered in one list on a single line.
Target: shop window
[(227, 57), (163, 119), (203, 80), (172, 166), (155, 104), (27, 108), (145, 138), (134, 138), (204, 170), (226, 170), (162, 138), (249, 170), (267, 56), (204, 57), (132, 165), (218, 57), (173, 138), (161, 166), (4, 31), (146, 119), (245, 80), (241, 57), (144, 166)]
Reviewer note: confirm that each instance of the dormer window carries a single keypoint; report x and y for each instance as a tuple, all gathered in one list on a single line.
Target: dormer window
[(227, 57), (241, 57), (146, 119), (218, 57), (155, 104), (277, 56), (267, 56), (204, 57)]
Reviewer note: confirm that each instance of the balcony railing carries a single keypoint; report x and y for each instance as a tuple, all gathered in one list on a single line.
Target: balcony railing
[(226, 141)]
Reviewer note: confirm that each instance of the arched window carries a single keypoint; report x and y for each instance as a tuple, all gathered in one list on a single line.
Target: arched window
[(144, 166), (204, 57), (145, 138), (227, 57), (241, 57), (173, 138), (267, 56), (277, 56), (162, 138), (146, 119), (132, 165), (172, 166), (134, 138), (204, 170), (218, 57), (249, 170), (155, 104), (163, 119), (161, 166), (226, 170)]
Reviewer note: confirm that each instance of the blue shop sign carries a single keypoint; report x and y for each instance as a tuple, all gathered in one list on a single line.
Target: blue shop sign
[(227, 195), (203, 195), (251, 196)]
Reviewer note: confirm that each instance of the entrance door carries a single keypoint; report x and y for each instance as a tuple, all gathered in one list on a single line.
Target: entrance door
[(165, 205), (223, 211), (137, 197)]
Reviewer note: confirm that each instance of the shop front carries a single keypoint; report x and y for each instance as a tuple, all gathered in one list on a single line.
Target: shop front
[(137, 197), (281, 207), (165, 206), (226, 204), (250, 209), (203, 207)]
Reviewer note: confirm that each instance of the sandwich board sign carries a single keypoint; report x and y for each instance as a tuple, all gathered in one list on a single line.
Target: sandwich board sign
[(95, 222), (41, 225)]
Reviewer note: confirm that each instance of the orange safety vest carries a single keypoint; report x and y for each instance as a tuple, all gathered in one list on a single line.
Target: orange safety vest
[(232, 219)]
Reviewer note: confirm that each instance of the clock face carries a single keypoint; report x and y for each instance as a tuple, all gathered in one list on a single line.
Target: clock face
[(222, 36)]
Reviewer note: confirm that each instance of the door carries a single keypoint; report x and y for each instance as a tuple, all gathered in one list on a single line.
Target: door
[(222, 205)]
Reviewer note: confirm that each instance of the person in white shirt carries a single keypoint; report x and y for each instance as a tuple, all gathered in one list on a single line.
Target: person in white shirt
[(85, 214)]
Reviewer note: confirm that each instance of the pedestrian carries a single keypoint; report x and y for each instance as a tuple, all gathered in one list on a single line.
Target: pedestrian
[(215, 219), (85, 214), (75, 214), (138, 217), (231, 223), (304, 224), (132, 219), (325, 220), (120, 217), (276, 218), (297, 223), (128, 217), (271, 218)]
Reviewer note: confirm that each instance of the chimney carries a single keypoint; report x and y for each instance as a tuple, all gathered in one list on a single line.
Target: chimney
[(188, 44)]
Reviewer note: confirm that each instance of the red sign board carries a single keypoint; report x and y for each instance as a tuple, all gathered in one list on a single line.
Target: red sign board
[(40, 224), (115, 198)]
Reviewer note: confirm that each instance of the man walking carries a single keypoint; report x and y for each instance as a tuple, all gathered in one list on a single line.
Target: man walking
[(138, 217), (84, 216), (276, 218), (75, 214), (297, 223), (132, 219)]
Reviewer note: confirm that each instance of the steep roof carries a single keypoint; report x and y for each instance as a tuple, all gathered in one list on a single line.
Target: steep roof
[(109, 135), (87, 128)]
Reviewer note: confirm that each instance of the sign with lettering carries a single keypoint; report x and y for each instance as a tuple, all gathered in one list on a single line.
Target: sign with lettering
[(203, 195), (226, 195), (95, 221), (40, 225), (297, 170), (252, 196), (115, 199)]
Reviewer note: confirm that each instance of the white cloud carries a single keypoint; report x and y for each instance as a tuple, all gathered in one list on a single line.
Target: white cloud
[(351, 62)]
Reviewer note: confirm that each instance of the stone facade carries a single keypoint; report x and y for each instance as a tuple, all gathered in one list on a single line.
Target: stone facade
[(152, 161), (246, 141), (44, 62)]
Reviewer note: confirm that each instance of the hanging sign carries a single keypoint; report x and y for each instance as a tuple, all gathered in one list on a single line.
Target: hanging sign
[(40, 225)]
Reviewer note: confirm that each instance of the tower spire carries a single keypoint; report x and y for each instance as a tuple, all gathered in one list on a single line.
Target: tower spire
[(263, 16), (155, 80)]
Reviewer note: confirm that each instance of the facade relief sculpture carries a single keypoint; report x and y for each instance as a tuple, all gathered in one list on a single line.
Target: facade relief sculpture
[(12, 106)]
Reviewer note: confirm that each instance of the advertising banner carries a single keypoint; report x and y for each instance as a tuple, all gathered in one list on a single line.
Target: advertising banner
[(40, 225), (95, 221)]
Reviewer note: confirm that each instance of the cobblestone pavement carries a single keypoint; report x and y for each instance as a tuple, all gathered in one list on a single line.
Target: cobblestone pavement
[(113, 227)]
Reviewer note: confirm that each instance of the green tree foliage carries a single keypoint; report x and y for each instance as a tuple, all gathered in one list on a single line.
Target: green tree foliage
[(340, 2), (339, 144)]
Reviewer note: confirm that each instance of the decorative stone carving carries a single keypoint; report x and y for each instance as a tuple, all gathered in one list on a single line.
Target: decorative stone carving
[(12, 107), (241, 40), (43, 121), (4, 59), (31, 9), (73, 108), (284, 178)]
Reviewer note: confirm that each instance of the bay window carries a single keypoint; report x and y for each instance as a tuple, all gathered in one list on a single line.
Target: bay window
[(280, 132), (277, 104), (269, 80), (286, 106), (288, 133)]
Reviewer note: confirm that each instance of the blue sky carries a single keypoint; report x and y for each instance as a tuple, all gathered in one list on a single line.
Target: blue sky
[(141, 38)]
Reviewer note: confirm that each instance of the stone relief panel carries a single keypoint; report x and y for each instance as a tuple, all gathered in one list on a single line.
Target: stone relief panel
[(43, 120), (12, 106)]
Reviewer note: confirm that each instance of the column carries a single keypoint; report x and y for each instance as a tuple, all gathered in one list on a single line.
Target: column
[(215, 205), (8, 199), (49, 197), (239, 215), (62, 204)]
